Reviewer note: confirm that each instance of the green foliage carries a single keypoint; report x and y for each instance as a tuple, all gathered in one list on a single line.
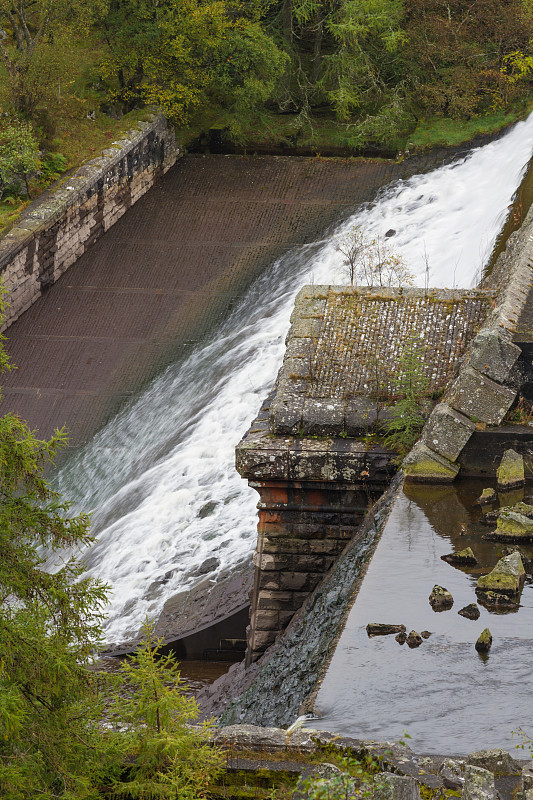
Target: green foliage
[(169, 758), (35, 49), (52, 166), (184, 54), (411, 385), (356, 779), (50, 742), (19, 155)]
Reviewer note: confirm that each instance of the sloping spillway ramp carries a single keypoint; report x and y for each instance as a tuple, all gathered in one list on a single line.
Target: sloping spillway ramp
[(157, 282)]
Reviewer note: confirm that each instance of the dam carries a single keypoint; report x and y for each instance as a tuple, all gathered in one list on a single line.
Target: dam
[(159, 476)]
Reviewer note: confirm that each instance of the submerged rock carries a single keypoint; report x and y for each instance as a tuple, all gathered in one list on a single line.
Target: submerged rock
[(479, 784), (464, 558), (484, 641), (471, 611), (487, 496), (389, 786), (414, 639), (440, 599), (507, 577), (494, 601), (497, 761), (510, 473), (383, 629)]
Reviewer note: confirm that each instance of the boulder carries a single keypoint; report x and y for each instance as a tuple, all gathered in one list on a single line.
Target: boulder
[(471, 611), (484, 641), (478, 785), (512, 526), (497, 761), (452, 775), (506, 578), (383, 629), (510, 473), (388, 786), (463, 558), (414, 639), (401, 638), (440, 599), (487, 496)]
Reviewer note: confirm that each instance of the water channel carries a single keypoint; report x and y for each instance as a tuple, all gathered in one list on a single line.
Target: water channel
[(160, 477), (448, 697)]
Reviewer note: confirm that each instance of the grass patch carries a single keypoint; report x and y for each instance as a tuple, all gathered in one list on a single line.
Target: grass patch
[(442, 131)]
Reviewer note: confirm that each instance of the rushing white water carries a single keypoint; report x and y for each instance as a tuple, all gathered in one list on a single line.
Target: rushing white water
[(160, 477)]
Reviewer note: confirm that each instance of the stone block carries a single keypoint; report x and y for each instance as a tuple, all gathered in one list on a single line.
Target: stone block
[(493, 354), (389, 786), (422, 465), (478, 785), (510, 473), (497, 761), (360, 414), (446, 431), (322, 417), (507, 577), (286, 414), (479, 397)]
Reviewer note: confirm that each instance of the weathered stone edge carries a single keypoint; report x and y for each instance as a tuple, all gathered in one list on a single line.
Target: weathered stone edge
[(513, 286), (44, 212)]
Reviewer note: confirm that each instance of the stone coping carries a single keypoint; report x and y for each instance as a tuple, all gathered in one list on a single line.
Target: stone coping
[(345, 345), (52, 205), (262, 456)]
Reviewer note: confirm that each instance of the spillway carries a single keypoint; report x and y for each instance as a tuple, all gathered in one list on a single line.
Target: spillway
[(160, 477)]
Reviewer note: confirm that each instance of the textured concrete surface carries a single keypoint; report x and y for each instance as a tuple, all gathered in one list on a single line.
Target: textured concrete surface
[(168, 270)]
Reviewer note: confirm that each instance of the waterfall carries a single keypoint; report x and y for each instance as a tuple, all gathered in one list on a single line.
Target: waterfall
[(160, 477)]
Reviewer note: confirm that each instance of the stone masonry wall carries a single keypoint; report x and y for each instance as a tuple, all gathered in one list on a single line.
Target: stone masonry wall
[(58, 228)]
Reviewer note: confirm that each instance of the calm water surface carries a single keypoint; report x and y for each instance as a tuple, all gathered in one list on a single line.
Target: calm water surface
[(444, 694)]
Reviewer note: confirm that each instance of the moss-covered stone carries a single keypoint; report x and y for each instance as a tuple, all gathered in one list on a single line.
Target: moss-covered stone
[(513, 526), (510, 473), (463, 558), (487, 496), (422, 465), (484, 641), (440, 599), (507, 577)]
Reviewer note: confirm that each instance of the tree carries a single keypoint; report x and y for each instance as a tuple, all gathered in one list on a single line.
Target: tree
[(184, 55), (34, 44), (370, 262), (19, 154), (169, 759), (51, 744)]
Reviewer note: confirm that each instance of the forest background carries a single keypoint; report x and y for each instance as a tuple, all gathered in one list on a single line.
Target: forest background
[(319, 74)]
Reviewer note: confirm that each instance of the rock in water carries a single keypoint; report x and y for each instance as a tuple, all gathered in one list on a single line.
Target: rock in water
[(388, 786), (506, 578), (440, 599), (510, 473), (401, 638), (487, 496), (513, 525), (464, 558), (425, 634), (479, 784), (383, 629), (471, 611), (414, 639), (484, 642)]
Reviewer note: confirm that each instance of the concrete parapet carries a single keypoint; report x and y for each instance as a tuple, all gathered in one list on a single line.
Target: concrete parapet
[(56, 229)]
